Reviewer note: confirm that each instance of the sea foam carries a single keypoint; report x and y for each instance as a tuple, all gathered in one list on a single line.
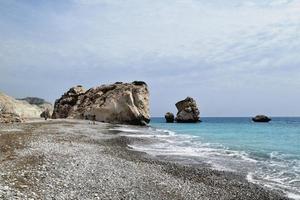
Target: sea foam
[(275, 169)]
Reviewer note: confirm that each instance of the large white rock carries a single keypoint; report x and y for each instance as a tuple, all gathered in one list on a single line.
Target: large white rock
[(125, 103), (22, 109)]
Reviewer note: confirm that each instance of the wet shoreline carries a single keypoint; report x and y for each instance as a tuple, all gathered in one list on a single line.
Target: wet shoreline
[(68, 159)]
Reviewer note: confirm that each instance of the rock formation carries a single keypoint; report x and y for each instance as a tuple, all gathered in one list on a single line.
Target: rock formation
[(15, 110), (188, 111), (261, 118), (124, 103), (34, 100), (169, 117), (41, 103), (68, 104), (45, 114), (10, 118)]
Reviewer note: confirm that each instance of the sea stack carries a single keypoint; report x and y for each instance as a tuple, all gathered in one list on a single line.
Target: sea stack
[(188, 111), (120, 103), (169, 117), (261, 118)]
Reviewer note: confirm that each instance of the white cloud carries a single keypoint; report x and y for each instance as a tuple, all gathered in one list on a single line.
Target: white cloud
[(216, 44), (195, 30)]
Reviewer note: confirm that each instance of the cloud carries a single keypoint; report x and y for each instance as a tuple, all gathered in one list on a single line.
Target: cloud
[(172, 44)]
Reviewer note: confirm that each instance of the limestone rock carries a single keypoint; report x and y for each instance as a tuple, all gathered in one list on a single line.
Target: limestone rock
[(124, 103), (261, 118), (41, 103), (169, 117), (188, 111), (22, 109), (10, 118), (67, 104)]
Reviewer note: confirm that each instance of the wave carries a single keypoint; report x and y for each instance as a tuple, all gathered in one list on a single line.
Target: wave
[(148, 130), (280, 171), (11, 130), (274, 170)]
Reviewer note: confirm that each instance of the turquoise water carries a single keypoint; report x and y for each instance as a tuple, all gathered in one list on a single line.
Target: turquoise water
[(281, 135), (267, 153)]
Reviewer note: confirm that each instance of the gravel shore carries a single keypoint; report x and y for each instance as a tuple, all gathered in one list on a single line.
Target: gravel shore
[(69, 159)]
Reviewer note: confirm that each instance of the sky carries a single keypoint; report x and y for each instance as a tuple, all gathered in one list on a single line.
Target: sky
[(234, 57)]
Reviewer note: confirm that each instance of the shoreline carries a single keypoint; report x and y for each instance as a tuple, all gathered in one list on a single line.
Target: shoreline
[(236, 183), (66, 159)]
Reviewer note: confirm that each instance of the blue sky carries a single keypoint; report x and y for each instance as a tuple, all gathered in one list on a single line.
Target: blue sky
[(235, 57)]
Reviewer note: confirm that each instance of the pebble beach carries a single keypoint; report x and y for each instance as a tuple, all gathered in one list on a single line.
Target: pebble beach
[(70, 159)]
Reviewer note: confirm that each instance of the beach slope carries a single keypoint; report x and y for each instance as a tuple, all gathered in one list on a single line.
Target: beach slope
[(69, 159)]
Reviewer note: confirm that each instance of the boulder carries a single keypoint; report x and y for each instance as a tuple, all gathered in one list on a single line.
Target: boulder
[(261, 118), (169, 117), (188, 111), (124, 103), (45, 114)]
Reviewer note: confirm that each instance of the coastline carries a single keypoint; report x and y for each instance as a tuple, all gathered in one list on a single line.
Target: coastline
[(67, 159)]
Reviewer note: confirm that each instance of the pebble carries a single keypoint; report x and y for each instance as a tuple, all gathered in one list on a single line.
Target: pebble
[(97, 166)]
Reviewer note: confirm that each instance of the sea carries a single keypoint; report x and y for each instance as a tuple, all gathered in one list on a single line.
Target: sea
[(267, 154)]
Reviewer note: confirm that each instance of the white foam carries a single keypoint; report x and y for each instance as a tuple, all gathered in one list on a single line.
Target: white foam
[(273, 172), (11, 130), (249, 177), (278, 173), (127, 130), (166, 131), (141, 136), (293, 196)]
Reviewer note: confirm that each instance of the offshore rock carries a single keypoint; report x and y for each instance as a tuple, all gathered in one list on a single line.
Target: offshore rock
[(188, 111), (169, 117), (123, 103), (261, 118)]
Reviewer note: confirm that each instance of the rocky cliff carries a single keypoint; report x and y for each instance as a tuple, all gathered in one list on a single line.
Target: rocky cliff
[(124, 103), (34, 100), (11, 109), (44, 105)]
